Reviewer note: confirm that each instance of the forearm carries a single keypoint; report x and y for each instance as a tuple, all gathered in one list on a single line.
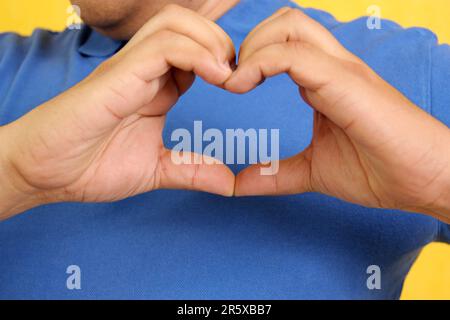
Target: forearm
[(438, 205), (441, 208), (12, 202), (15, 196)]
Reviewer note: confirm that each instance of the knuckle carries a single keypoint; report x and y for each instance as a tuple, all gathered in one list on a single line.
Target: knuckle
[(295, 14), (202, 55), (283, 10), (163, 37), (161, 41), (170, 8), (300, 47)]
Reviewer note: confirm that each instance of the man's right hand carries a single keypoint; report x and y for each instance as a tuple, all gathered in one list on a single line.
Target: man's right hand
[(102, 139)]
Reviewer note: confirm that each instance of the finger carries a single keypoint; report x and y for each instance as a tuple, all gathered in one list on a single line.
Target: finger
[(153, 58), (192, 25), (148, 62), (278, 13), (178, 82), (309, 67), (207, 176), (291, 25), (345, 92), (226, 42), (293, 177)]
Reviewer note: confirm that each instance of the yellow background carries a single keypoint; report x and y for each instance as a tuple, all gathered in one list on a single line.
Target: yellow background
[(430, 276)]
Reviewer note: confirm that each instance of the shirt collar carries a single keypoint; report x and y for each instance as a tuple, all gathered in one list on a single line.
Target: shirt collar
[(94, 44)]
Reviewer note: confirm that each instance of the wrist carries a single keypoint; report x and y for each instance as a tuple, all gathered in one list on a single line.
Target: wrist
[(440, 209), (439, 206), (15, 195)]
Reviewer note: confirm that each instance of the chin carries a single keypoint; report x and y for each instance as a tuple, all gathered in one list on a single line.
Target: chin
[(121, 19), (116, 19), (117, 32)]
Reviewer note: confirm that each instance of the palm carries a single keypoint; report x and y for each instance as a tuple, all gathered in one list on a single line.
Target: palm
[(338, 167), (391, 176), (100, 164), (126, 162)]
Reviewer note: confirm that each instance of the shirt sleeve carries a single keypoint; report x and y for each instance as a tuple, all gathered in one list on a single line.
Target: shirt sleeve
[(440, 103), (444, 233), (440, 78), (9, 42), (12, 52)]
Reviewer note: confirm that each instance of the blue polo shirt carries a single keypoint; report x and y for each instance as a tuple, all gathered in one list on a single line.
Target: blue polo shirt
[(190, 245)]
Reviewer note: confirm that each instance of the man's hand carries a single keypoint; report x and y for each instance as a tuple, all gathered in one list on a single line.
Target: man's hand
[(371, 146), (101, 140)]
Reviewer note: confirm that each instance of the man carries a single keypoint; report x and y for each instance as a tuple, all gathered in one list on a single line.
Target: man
[(89, 118)]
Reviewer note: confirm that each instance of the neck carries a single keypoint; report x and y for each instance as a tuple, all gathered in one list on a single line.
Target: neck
[(214, 9), (127, 27)]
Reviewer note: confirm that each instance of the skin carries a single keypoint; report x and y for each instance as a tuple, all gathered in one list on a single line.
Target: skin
[(101, 140), (371, 145), (122, 19)]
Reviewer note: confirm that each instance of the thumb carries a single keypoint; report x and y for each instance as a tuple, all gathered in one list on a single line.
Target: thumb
[(196, 172), (292, 177)]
